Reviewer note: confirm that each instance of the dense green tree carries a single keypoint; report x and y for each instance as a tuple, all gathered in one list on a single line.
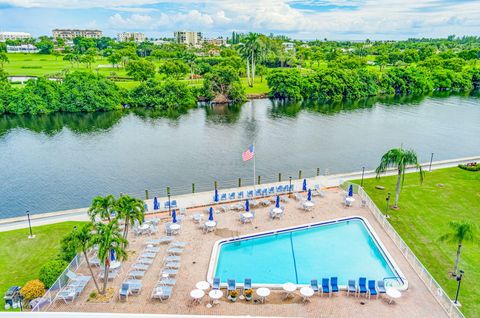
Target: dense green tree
[(3, 59), (285, 83), (45, 45), (223, 83), (176, 69), (166, 95), (141, 70)]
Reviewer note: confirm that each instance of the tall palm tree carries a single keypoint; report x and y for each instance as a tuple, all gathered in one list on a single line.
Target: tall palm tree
[(461, 231), (102, 207), (131, 210), (109, 239), (82, 240), (251, 49), (399, 158)]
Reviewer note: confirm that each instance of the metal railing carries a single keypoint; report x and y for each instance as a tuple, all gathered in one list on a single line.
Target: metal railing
[(46, 301), (436, 290)]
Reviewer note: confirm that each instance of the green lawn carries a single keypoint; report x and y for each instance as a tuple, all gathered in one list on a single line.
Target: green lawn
[(259, 87), (424, 213), (21, 258)]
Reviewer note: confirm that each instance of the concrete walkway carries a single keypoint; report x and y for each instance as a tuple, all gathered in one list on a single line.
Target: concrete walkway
[(205, 198)]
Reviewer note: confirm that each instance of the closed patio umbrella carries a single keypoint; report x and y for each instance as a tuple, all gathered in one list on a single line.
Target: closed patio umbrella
[(350, 190), (155, 203), (112, 255), (215, 197), (174, 216), (309, 196), (247, 206), (304, 185), (277, 202), (210, 214)]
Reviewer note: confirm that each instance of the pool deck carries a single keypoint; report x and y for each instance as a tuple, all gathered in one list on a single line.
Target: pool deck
[(417, 301)]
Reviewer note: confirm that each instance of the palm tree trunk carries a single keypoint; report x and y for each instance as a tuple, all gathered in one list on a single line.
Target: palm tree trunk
[(248, 72), (91, 271), (397, 189), (457, 260), (105, 279), (253, 69)]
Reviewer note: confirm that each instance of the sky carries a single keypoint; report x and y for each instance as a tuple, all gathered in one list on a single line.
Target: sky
[(299, 19)]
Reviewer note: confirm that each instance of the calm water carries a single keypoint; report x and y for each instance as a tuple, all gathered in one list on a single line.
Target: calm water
[(61, 161), (346, 250)]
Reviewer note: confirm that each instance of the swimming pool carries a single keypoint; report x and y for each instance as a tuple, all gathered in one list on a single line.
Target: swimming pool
[(346, 248)]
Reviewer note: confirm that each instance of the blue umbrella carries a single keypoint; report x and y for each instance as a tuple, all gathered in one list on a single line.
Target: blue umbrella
[(174, 216), (247, 206), (210, 214), (277, 202), (215, 197), (112, 255), (155, 203), (309, 196), (304, 184), (350, 191)]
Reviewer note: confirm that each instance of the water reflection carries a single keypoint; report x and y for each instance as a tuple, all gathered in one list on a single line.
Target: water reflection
[(223, 114)]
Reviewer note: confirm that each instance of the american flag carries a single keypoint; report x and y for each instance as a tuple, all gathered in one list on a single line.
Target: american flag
[(248, 154)]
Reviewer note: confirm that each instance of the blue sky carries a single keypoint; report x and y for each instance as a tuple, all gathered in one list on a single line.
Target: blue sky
[(304, 19)]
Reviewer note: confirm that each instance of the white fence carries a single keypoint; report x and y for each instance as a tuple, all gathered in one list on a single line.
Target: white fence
[(44, 303), (436, 290)]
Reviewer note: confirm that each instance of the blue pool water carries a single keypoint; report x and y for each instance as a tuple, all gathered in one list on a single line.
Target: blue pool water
[(345, 249)]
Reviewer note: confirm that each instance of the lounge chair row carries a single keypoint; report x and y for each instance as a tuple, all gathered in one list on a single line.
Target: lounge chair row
[(75, 286), (257, 193), (330, 286), (171, 264)]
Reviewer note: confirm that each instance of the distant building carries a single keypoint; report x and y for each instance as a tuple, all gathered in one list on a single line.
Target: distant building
[(188, 37), (24, 48), (137, 37), (159, 42), (288, 46), (70, 34), (14, 36), (217, 42)]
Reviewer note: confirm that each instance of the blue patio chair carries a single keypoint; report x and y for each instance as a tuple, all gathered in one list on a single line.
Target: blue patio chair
[(362, 286), (166, 205), (292, 187), (231, 285), (381, 287), (250, 194), (326, 286), (240, 195), (265, 192), (351, 288), (279, 189), (271, 191), (216, 283), (173, 203), (314, 285), (334, 283), (258, 192), (231, 196), (124, 291), (247, 284), (223, 197), (372, 290)]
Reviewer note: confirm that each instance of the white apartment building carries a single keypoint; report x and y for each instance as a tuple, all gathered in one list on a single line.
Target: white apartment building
[(24, 48), (188, 37), (137, 37), (70, 34), (14, 36)]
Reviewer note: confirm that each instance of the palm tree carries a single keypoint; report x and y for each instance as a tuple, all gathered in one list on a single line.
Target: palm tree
[(131, 210), (462, 231), (102, 207), (82, 240), (251, 49), (109, 239), (399, 158)]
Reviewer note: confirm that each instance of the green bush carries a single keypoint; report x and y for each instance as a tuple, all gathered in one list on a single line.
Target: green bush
[(471, 167), (50, 271)]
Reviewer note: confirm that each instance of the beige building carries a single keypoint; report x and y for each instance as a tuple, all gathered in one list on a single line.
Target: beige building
[(188, 37), (70, 34), (131, 36), (14, 36), (216, 42)]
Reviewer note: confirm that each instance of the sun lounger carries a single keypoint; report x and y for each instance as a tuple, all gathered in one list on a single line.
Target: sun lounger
[(162, 292), (216, 283), (111, 276), (175, 265), (67, 294), (71, 275), (372, 290), (136, 274), (334, 284), (140, 267), (145, 261), (167, 281), (172, 258), (124, 292), (326, 287), (161, 240), (314, 285), (381, 287), (247, 284), (362, 288), (351, 288), (135, 285), (148, 255), (170, 271), (152, 249), (179, 244), (231, 285), (175, 250)]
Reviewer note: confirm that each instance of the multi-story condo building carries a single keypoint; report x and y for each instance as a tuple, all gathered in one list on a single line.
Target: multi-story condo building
[(188, 37), (14, 36), (131, 36), (70, 34), (217, 42)]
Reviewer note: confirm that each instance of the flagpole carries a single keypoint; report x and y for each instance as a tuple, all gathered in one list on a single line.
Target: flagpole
[(254, 153)]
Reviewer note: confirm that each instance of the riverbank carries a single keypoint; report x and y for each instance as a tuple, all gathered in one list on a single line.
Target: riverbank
[(205, 198)]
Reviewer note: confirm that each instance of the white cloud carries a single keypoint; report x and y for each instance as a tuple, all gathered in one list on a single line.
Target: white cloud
[(135, 21)]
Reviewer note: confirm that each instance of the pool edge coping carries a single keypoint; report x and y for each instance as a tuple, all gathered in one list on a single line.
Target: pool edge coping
[(388, 257)]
